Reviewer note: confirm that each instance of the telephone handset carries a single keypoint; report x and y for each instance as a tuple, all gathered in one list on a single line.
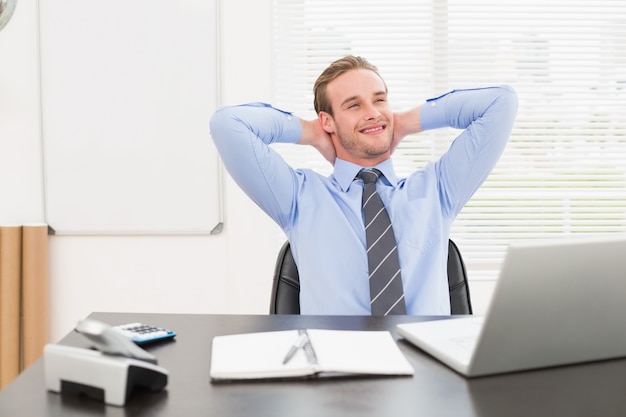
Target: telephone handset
[(111, 342)]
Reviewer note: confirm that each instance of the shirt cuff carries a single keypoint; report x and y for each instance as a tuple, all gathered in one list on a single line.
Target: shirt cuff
[(292, 128), (433, 114)]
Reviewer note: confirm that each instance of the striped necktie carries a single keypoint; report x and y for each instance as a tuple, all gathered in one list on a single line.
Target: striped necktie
[(387, 296)]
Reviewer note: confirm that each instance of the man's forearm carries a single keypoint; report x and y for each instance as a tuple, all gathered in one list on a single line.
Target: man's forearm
[(459, 108)]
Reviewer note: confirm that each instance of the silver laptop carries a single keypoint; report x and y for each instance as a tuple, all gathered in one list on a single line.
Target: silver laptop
[(556, 302)]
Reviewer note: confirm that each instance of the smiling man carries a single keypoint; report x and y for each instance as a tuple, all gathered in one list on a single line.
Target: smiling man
[(323, 217)]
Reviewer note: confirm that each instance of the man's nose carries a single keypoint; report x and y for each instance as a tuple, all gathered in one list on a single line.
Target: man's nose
[(371, 112)]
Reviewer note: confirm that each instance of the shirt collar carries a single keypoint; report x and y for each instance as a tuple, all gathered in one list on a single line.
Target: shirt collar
[(344, 172)]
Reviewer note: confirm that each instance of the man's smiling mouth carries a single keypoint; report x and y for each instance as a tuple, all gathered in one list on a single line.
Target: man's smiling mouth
[(376, 129)]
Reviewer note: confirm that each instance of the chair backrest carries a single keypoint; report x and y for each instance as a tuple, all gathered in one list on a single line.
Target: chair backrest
[(285, 298)]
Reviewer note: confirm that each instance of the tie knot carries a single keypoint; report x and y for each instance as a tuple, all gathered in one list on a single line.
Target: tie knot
[(369, 175)]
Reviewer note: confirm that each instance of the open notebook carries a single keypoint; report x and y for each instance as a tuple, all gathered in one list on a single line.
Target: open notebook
[(253, 356), (556, 302)]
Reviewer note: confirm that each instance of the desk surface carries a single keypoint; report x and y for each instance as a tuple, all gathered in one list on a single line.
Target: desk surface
[(596, 389)]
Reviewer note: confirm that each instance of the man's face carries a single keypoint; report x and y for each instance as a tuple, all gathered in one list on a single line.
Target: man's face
[(362, 125)]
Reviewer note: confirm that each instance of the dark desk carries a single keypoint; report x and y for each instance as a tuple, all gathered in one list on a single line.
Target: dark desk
[(597, 389)]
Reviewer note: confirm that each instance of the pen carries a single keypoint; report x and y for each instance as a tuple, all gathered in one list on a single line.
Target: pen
[(298, 344)]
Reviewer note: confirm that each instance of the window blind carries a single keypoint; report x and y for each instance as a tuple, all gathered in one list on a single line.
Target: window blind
[(564, 170)]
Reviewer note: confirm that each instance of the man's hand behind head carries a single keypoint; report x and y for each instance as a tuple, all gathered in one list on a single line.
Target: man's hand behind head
[(314, 135)]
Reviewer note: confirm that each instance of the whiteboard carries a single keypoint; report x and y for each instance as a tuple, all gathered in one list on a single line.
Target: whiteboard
[(128, 88)]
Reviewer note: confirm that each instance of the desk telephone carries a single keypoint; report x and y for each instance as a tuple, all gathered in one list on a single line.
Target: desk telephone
[(109, 373)]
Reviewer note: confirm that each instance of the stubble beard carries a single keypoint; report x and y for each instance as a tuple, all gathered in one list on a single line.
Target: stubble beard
[(353, 143)]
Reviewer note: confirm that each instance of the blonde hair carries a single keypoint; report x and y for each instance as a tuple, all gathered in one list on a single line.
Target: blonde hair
[(334, 70)]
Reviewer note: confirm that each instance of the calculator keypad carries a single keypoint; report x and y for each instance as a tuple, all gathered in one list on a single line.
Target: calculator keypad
[(143, 333)]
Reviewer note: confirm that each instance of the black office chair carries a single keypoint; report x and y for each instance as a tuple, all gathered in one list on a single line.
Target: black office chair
[(285, 297)]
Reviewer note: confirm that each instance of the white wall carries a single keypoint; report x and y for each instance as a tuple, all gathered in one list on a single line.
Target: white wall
[(227, 273), (21, 186)]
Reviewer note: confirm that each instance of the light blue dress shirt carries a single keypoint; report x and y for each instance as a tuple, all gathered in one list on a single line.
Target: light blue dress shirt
[(322, 216)]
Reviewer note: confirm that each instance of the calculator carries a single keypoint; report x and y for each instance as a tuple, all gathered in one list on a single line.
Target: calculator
[(142, 334)]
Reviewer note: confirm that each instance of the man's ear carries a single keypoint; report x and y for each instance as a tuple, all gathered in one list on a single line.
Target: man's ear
[(327, 122)]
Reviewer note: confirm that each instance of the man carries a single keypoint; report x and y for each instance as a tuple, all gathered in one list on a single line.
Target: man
[(355, 129)]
